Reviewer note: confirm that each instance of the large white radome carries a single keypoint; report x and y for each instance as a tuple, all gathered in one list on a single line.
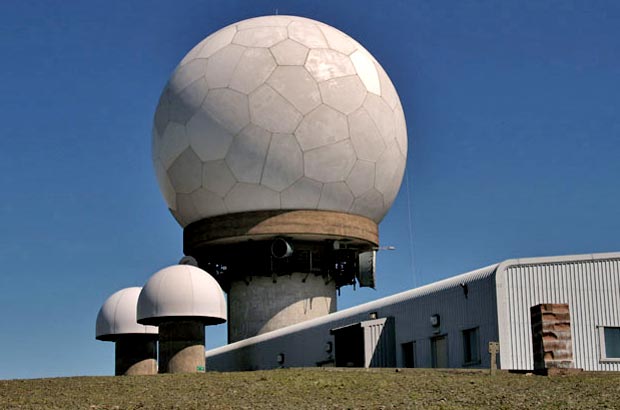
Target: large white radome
[(279, 112)]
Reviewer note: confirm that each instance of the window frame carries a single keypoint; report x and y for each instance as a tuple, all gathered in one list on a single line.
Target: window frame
[(602, 347)]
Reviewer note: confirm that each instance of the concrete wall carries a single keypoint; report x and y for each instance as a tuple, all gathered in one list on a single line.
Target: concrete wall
[(459, 308), (265, 304)]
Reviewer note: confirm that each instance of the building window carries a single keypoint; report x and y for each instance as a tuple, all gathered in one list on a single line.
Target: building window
[(471, 346), (611, 343), (408, 350)]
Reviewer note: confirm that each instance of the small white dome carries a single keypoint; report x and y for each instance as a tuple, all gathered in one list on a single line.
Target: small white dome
[(117, 316), (279, 112), (181, 292)]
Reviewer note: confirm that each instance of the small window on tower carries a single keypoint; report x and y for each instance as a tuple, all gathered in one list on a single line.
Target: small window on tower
[(471, 346)]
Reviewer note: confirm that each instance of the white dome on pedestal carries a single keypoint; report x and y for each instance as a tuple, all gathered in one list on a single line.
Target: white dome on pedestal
[(117, 316), (279, 112), (181, 292)]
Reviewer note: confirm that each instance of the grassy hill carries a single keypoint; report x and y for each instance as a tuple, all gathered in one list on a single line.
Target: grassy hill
[(318, 389)]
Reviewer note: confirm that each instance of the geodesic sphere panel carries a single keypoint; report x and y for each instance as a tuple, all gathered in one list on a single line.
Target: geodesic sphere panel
[(279, 112)]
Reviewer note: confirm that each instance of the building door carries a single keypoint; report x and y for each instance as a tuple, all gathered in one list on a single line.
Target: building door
[(349, 346), (439, 351), (408, 350)]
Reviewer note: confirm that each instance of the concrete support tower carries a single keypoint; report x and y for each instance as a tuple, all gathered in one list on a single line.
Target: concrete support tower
[(135, 344), (279, 144), (181, 300)]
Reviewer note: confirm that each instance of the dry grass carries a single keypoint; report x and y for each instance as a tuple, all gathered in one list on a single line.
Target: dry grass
[(318, 389)]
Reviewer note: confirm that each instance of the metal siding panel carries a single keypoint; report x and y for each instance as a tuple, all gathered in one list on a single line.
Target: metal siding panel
[(303, 344), (590, 287)]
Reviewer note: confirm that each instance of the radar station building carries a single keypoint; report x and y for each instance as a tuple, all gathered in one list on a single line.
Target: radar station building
[(279, 144), (450, 323)]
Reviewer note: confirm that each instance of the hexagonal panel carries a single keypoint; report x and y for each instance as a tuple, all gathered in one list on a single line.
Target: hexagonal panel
[(370, 204), (284, 164), (289, 52), (191, 55), (257, 196), (296, 85), (186, 210), (321, 127), (325, 64), (207, 203), (217, 41), (186, 172), (307, 34), (185, 104), (247, 154), (209, 139), (165, 185), (401, 131), (381, 114), (337, 40), (217, 178), (179, 218), (260, 36), (265, 21), (367, 71), (345, 94), (303, 194), (255, 66), (362, 177), (174, 142), (330, 163), (389, 171), (366, 138), (229, 107), (272, 112), (221, 66), (388, 92), (162, 116), (186, 74), (336, 196)]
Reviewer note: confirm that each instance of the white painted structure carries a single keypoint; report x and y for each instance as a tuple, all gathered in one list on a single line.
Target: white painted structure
[(279, 112), (269, 116), (117, 316), (181, 291), (451, 322), (135, 344), (181, 300)]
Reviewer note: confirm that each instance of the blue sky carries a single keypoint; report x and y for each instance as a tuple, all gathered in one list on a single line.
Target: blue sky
[(513, 113)]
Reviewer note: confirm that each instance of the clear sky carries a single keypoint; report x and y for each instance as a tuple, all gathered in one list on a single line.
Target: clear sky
[(513, 113)]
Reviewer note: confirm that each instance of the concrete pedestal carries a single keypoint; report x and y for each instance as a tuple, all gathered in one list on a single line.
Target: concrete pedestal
[(182, 347), (264, 304), (136, 355), (267, 291)]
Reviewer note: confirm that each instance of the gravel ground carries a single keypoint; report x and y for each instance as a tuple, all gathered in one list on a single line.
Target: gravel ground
[(318, 389)]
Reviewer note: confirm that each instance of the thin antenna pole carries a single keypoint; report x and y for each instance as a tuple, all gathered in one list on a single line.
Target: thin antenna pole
[(410, 224)]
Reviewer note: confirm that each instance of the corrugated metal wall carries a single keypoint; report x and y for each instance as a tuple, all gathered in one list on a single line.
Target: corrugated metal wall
[(590, 285), (304, 344), (380, 349)]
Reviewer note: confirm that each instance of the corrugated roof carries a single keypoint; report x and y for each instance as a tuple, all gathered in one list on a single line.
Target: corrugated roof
[(429, 289), (542, 260)]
